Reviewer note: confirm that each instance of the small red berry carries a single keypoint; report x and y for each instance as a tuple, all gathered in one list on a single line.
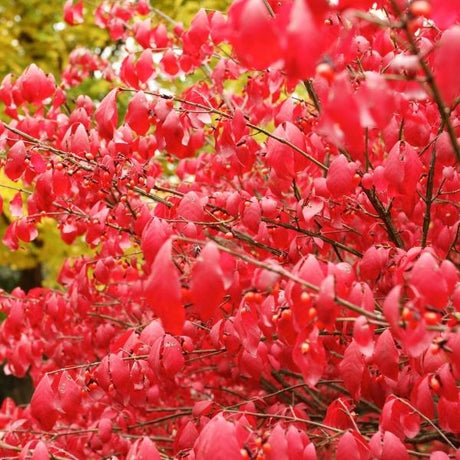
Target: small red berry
[(430, 318), (286, 314), (420, 8), (435, 384), (267, 448), (326, 71)]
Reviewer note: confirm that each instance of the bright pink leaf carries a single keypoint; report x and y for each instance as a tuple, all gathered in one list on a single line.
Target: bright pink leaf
[(217, 441), (207, 286), (309, 356), (15, 162), (73, 12), (352, 368), (69, 395), (162, 291), (40, 452), (249, 20), (340, 177), (16, 205), (446, 64), (106, 114), (386, 355), (154, 235), (387, 446), (137, 115), (352, 446), (306, 42), (43, 404), (35, 85), (143, 449)]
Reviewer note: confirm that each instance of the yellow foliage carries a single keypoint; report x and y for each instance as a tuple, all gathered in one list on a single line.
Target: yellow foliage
[(48, 249)]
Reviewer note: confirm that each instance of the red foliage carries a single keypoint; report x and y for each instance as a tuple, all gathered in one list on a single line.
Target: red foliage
[(275, 250)]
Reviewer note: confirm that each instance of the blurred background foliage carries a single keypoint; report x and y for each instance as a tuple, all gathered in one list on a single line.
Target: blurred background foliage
[(34, 31)]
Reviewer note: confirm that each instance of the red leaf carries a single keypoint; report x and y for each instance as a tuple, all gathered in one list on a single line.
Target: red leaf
[(43, 404), (299, 446), (448, 415), (128, 72), (399, 418), (281, 157), (306, 42), (173, 133), (247, 325), (363, 334), (325, 301), (387, 446), (217, 441), (26, 231), (169, 63), (154, 235), (10, 237), (105, 429), (278, 444), (312, 208), (377, 101), (143, 33), (79, 141), (373, 263), (151, 333), (448, 386), (191, 207), (439, 455), (166, 357), (35, 85), (391, 308), (447, 64), (352, 368), (163, 293), (340, 177), (341, 119), (309, 356), (309, 270), (207, 286), (352, 446), (454, 357), (429, 280), (138, 115), (106, 115), (119, 372), (144, 66), (386, 355), (186, 436), (143, 449), (422, 398), (73, 13), (16, 205), (15, 162), (198, 33), (445, 13), (249, 20), (252, 216), (69, 395), (338, 414), (202, 408), (402, 169), (40, 452)]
